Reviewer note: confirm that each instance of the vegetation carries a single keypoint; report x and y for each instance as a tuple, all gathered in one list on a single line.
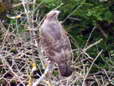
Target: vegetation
[(90, 26)]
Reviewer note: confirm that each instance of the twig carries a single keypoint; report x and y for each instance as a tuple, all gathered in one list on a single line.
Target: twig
[(58, 6), (83, 84), (19, 4), (10, 68), (90, 35), (83, 51), (103, 32), (50, 66), (73, 11), (97, 42), (2, 27)]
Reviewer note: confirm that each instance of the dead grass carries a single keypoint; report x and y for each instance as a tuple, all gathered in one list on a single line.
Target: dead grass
[(22, 62)]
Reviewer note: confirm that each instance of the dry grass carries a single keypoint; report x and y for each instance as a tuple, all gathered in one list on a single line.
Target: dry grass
[(21, 57)]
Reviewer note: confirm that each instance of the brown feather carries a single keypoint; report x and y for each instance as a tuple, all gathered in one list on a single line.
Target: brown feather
[(55, 43)]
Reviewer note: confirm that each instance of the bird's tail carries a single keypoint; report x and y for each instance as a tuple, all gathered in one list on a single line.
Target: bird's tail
[(65, 69)]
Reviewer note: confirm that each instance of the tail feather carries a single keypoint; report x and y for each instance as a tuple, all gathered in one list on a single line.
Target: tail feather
[(65, 70)]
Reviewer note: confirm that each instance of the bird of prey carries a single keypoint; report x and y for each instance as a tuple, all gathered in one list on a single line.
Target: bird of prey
[(55, 43)]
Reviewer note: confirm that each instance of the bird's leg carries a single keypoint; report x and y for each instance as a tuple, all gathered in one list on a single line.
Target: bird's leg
[(49, 67), (49, 73)]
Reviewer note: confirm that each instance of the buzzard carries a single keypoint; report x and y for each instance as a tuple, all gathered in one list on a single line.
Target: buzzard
[(55, 42)]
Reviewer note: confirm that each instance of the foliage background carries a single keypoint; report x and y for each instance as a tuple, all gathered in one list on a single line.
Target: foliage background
[(86, 21)]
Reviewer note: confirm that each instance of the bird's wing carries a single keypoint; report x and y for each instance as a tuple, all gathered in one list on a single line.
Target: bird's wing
[(55, 43), (53, 31)]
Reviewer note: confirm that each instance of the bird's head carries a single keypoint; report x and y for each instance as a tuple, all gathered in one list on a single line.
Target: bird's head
[(53, 14)]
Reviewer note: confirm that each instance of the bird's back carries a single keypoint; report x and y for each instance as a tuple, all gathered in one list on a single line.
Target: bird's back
[(55, 42)]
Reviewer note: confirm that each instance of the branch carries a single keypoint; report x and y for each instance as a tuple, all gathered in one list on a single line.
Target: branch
[(83, 84), (97, 42), (49, 68)]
